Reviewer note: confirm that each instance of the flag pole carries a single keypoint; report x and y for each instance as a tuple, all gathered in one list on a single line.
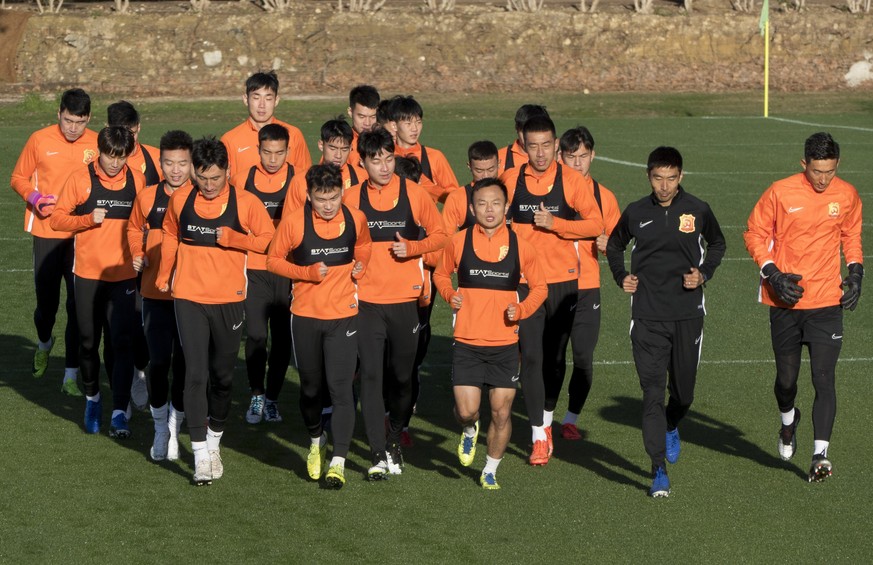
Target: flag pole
[(767, 68)]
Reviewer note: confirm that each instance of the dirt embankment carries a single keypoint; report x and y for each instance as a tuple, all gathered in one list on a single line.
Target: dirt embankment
[(473, 49)]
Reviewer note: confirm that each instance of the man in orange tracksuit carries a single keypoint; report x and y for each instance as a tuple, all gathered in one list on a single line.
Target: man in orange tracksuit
[(261, 98), (490, 261), (363, 101), (577, 152), (207, 232), (48, 158), (438, 179), (796, 232), (144, 235), (268, 295), (396, 211), (546, 201), (95, 205), (483, 163), (324, 247), (514, 155)]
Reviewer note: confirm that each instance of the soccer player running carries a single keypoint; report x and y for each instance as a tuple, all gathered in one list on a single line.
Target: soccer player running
[(207, 231), (48, 158), (490, 260), (144, 234), (795, 233), (95, 204), (363, 101), (577, 152), (261, 99), (324, 247), (483, 162), (668, 271), (268, 294), (396, 211), (514, 155), (547, 201)]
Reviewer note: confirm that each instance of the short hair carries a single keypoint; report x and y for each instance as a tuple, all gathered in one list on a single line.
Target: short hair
[(122, 113), (406, 107), (335, 128), (481, 151), (208, 152), (408, 167), (539, 124), (576, 137), (371, 143), (385, 111), (490, 181), (273, 132), (263, 79), (365, 95), (820, 146), (667, 157), (76, 101), (526, 112), (325, 177), (176, 139), (115, 141)]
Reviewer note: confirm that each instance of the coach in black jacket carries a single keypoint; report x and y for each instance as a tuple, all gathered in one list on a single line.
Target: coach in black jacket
[(668, 272)]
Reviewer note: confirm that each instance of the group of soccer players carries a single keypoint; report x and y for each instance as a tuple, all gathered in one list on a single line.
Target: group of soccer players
[(169, 254)]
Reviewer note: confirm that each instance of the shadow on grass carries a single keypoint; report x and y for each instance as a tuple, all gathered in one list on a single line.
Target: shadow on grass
[(702, 430)]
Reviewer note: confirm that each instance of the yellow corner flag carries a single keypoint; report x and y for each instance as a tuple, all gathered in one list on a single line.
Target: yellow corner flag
[(764, 24), (765, 15)]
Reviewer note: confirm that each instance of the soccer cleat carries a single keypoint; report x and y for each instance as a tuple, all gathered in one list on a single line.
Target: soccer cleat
[(71, 388), (158, 452), (406, 438), (203, 472), (820, 469), (540, 453), (139, 390), (216, 464), (660, 484), (467, 447), (674, 446), (570, 432), (335, 477), (93, 413), (395, 459), (271, 412), (788, 438), (256, 409), (488, 481), (41, 359), (118, 428), (316, 459), (549, 439), (379, 471)]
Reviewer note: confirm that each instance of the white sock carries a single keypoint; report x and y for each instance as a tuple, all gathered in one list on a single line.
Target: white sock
[(200, 450), (213, 439), (45, 345), (548, 418), (820, 447), (117, 412), (570, 418), (341, 461), (174, 420), (321, 440), (71, 374), (327, 410), (159, 415), (469, 431), (95, 398), (138, 374), (491, 465), (539, 433), (788, 418)]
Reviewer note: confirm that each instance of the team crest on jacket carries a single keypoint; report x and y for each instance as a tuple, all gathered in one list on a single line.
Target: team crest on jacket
[(504, 250), (347, 183), (686, 223), (88, 156), (833, 209), (142, 168)]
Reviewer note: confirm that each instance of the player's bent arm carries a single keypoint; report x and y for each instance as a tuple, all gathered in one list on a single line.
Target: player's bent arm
[(615, 247), (63, 219), (258, 224), (363, 243), (23, 172), (850, 233), (536, 280), (427, 216), (442, 275), (135, 226), (715, 245), (758, 236), (582, 200), (170, 240)]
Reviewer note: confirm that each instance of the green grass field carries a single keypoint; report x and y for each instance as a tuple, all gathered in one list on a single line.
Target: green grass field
[(71, 497)]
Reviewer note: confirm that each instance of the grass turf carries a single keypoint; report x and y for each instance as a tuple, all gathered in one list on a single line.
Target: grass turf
[(72, 497)]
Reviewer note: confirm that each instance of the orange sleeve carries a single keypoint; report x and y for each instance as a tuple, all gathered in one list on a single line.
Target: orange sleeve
[(611, 210), (850, 232), (454, 211), (363, 241), (536, 280), (299, 155), (136, 223), (581, 198), (427, 216), (289, 235), (446, 266), (296, 196), (759, 235), (170, 239), (22, 174), (255, 220), (73, 193)]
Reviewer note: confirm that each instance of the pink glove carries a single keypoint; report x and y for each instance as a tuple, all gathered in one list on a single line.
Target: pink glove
[(43, 204)]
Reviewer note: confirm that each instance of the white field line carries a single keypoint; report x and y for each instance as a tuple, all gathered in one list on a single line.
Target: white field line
[(787, 121), (609, 363)]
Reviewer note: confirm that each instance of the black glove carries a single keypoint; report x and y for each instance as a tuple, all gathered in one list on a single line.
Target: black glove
[(783, 284), (852, 284)]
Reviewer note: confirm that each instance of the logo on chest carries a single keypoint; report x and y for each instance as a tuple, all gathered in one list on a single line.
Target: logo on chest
[(833, 209), (686, 223)]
